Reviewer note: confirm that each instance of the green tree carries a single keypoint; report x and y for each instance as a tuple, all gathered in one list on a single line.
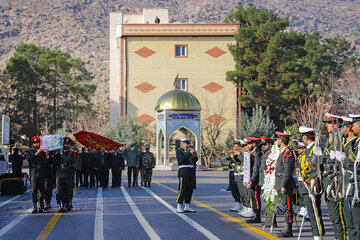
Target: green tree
[(127, 131), (256, 125)]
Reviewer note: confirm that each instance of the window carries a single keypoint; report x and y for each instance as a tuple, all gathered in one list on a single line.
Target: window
[(181, 83), (180, 50)]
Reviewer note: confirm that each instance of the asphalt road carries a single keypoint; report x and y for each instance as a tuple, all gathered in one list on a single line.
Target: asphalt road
[(141, 213)]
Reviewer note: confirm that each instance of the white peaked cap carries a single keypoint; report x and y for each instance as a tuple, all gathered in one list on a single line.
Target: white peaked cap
[(347, 119), (304, 129), (332, 115), (354, 115)]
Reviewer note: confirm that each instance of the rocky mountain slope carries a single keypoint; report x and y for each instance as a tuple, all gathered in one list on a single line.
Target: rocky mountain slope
[(81, 27)]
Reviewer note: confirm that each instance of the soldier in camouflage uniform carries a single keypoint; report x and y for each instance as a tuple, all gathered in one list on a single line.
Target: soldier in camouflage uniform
[(148, 162)]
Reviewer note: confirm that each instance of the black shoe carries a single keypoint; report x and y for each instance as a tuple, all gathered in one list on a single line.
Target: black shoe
[(149, 184), (145, 184), (254, 220), (285, 234), (35, 210)]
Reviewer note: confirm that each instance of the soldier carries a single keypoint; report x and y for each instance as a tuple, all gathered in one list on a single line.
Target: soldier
[(103, 160), (299, 208), (78, 171), (352, 215), (93, 168), (335, 207), (284, 181), (235, 161), (308, 137), (117, 165), (49, 180), (64, 175), (85, 166), (132, 159), (148, 165), (266, 145), (250, 196), (37, 163), (186, 159)]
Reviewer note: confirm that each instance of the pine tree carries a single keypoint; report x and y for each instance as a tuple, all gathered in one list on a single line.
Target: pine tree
[(257, 124)]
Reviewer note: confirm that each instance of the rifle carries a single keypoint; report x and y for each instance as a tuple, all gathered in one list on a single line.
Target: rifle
[(340, 171)]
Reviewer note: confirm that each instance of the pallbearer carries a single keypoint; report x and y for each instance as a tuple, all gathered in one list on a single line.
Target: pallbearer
[(186, 159), (37, 163), (284, 181)]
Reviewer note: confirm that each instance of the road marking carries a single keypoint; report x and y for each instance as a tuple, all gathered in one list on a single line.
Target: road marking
[(231, 218), (99, 226), (13, 223), (13, 198), (149, 230), (51, 224), (192, 223)]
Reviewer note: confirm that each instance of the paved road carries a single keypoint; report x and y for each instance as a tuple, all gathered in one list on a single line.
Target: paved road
[(139, 213)]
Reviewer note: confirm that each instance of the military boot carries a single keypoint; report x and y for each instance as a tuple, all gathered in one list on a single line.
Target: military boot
[(47, 206), (145, 185), (149, 184), (35, 210), (287, 232), (68, 207), (59, 208), (41, 209)]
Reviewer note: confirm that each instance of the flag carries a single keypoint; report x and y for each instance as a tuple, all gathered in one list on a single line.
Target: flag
[(93, 140), (174, 84)]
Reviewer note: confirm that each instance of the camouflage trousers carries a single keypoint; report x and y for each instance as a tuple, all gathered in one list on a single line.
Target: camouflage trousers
[(147, 174)]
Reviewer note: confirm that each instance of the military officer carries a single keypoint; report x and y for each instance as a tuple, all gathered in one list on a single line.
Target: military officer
[(64, 161), (335, 207), (148, 164), (186, 159), (306, 170), (37, 163), (49, 180), (235, 171), (284, 181), (266, 145), (254, 187), (351, 131)]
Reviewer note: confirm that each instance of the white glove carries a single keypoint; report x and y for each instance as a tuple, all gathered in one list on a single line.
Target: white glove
[(317, 151), (332, 155), (340, 156)]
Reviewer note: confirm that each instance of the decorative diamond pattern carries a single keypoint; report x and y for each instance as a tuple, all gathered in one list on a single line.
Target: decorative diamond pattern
[(212, 87), (145, 87), (215, 52), (216, 119), (145, 52), (145, 118)]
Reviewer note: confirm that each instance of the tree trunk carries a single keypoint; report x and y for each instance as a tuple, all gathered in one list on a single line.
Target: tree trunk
[(268, 111)]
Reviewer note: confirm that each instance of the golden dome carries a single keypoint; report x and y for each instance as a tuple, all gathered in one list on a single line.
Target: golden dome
[(178, 100)]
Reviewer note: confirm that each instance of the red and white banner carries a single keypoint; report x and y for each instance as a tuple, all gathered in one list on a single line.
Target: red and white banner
[(93, 140)]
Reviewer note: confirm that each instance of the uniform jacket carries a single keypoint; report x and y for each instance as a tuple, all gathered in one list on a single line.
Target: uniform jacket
[(305, 169), (64, 163), (117, 161), (132, 158), (284, 170), (37, 163), (103, 160), (262, 167), (184, 157), (148, 160)]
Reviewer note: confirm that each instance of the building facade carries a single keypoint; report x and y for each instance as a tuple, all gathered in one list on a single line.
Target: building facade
[(149, 59)]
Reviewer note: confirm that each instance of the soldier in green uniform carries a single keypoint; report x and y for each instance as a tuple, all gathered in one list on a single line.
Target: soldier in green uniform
[(335, 207), (299, 208), (352, 215), (64, 161), (284, 181), (37, 163), (148, 164), (133, 160), (186, 159), (308, 137)]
